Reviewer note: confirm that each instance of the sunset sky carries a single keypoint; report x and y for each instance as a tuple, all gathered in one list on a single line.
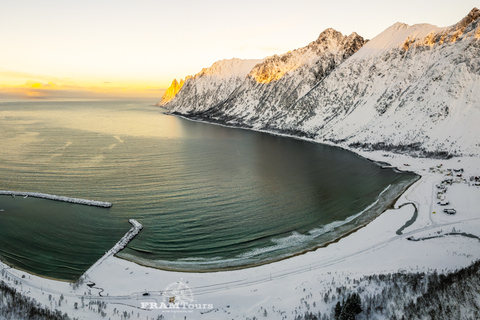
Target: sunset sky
[(94, 49)]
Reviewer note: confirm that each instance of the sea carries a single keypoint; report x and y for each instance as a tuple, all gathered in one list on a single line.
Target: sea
[(209, 197)]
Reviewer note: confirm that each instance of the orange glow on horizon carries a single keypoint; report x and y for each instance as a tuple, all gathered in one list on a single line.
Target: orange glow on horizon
[(50, 90), (36, 85)]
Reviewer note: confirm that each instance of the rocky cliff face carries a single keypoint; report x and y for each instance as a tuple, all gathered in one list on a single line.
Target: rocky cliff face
[(210, 86), (253, 96), (171, 92), (412, 89), (272, 88)]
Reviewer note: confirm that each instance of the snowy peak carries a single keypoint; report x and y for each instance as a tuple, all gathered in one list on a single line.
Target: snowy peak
[(171, 92), (229, 68), (353, 43), (211, 85), (275, 67), (467, 27), (472, 16), (411, 89), (406, 37), (219, 72), (332, 38), (395, 37), (273, 86)]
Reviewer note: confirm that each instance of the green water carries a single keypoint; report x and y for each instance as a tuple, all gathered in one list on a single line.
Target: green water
[(209, 197)]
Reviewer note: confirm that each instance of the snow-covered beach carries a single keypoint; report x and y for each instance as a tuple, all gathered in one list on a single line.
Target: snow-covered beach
[(434, 241)]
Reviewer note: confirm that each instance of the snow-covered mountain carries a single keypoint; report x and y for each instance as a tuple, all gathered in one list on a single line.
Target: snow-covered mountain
[(268, 85), (171, 92), (411, 89), (208, 87), (273, 86)]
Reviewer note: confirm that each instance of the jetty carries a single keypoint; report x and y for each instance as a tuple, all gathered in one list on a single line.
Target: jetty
[(122, 243), (56, 198)]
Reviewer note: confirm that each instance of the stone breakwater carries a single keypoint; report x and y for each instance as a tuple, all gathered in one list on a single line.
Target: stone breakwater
[(122, 243), (57, 198)]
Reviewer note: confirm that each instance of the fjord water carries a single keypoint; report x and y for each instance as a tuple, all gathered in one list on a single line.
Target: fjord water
[(209, 197)]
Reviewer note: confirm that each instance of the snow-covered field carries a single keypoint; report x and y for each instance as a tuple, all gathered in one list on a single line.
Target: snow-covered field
[(434, 241)]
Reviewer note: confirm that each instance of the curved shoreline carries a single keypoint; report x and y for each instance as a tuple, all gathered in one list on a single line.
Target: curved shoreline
[(383, 165), (343, 234), (53, 197)]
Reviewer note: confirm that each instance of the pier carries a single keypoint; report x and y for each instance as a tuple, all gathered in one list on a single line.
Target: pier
[(122, 243), (56, 198)]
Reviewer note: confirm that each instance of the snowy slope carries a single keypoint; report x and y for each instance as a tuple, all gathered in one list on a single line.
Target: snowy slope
[(413, 89), (210, 86), (267, 88), (274, 85), (416, 86)]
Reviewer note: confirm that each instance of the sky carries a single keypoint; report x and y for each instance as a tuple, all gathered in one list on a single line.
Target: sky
[(127, 48)]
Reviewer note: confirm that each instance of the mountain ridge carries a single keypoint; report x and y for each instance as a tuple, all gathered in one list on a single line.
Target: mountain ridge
[(411, 89), (211, 85)]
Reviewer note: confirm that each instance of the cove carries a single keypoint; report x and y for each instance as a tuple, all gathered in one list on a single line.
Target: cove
[(209, 197)]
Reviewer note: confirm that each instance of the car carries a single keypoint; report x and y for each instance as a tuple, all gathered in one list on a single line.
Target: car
[(450, 211), (443, 203)]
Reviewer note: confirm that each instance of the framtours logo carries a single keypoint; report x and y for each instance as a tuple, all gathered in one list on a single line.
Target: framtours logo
[(177, 297)]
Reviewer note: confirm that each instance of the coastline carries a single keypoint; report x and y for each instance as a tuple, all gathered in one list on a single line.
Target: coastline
[(345, 230), (348, 257), (340, 232), (367, 155), (373, 248), (389, 206)]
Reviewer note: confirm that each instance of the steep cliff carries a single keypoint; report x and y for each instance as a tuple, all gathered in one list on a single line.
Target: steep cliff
[(272, 87), (171, 92), (210, 86)]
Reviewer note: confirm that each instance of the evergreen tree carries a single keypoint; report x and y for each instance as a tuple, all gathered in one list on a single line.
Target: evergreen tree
[(338, 310), (349, 309)]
